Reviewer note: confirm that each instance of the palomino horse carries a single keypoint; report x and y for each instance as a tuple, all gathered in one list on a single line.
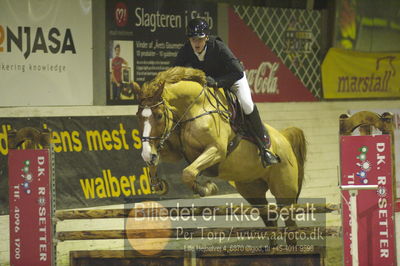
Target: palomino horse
[(180, 117)]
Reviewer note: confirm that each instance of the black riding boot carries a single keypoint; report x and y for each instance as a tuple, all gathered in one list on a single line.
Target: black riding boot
[(259, 131)]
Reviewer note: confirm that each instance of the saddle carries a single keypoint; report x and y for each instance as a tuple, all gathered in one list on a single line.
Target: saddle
[(237, 122)]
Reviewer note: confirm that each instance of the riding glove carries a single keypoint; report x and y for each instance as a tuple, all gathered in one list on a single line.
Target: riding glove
[(211, 82)]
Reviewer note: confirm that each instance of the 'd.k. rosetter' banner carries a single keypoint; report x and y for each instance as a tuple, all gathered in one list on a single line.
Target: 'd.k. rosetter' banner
[(97, 162), (31, 228), (367, 160)]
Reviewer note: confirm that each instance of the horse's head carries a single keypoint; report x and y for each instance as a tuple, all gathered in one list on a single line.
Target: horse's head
[(154, 121)]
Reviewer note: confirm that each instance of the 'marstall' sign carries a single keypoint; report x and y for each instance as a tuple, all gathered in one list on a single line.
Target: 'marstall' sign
[(366, 160), (30, 207)]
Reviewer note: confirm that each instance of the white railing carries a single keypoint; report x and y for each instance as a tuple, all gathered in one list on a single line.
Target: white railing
[(353, 190)]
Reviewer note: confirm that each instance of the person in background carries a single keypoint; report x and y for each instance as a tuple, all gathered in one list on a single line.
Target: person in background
[(223, 70), (116, 72)]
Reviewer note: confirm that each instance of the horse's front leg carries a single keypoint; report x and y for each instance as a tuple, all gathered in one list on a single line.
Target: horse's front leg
[(158, 185), (209, 157), (168, 154)]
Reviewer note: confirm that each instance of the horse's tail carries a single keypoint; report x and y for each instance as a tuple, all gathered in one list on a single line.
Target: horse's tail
[(299, 145)]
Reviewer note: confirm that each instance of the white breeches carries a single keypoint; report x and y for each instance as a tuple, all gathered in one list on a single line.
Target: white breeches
[(241, 89)]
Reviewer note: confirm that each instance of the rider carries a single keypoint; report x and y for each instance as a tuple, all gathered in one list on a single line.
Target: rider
[(223, 70)]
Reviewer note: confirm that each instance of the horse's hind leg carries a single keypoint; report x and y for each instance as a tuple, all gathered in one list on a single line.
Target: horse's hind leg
[(285, 190), (254, 192), (289, 222)]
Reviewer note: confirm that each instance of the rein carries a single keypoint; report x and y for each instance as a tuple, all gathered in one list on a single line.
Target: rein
[(223, 113)]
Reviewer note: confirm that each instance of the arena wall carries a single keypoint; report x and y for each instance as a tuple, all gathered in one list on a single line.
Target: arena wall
[(319, 120)]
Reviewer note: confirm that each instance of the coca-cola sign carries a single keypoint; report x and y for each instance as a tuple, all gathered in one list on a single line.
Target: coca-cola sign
[(269, 78), (263, 79)]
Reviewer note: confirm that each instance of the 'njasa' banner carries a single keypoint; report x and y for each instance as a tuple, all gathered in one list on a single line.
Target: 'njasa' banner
[(97, 162), (45, 56), (144, 37), (349, 74)]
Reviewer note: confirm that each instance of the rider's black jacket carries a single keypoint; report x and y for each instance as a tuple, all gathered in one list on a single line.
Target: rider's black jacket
[(219, 62)]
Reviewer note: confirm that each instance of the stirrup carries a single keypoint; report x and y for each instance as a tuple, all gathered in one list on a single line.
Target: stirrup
[(268, 158)]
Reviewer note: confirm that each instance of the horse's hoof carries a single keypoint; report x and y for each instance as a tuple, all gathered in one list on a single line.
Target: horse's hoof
[(291, 242), (208, 189), (212, 188), (273, 243), (201, 193), (199, 189), (161, 188)]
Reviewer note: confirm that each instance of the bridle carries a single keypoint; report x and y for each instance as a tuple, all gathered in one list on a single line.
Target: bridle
[(168, 130)]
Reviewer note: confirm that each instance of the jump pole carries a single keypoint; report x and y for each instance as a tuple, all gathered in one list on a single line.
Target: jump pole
[(353, 191)]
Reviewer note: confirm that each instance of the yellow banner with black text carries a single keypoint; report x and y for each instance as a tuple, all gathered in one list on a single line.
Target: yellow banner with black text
[(97, 162), (351, 75)]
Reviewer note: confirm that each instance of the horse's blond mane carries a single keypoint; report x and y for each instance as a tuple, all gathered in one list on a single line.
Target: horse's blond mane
[(176, 74), (171, 76)]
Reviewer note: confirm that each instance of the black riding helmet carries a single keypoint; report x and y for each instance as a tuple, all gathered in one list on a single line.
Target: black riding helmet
[(197, 27)]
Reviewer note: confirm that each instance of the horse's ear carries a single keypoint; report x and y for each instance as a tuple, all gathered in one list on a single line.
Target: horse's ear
[(136, 90), (158, 93)]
